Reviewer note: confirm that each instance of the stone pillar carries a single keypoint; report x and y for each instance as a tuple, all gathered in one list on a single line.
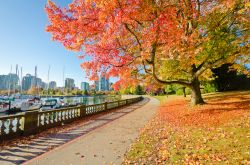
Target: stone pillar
[(30, 122), (106, 106), (83, 111)]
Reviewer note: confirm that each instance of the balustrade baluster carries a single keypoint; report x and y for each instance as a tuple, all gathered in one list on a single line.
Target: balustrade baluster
[(31, 122)]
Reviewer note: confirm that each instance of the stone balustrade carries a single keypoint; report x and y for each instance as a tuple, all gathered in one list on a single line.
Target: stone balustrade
[(14, 126)]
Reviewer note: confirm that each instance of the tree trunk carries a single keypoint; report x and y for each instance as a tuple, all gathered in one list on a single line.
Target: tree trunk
[(196, 97), (184, 91)]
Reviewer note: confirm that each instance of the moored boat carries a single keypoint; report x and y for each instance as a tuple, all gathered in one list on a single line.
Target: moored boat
[(52, 103), (31, 104), (4, 105), (9, 105)]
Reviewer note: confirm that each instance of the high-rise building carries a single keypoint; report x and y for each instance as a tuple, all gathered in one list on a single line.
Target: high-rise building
[(97, 85), (9, 81), (38, 82), (69, 83), (3, 81), (107, 85), (102, 84), (43, 85), (28, 81), (85, 86), (52, 85)]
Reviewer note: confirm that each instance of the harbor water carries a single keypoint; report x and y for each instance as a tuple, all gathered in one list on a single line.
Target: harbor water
[(71, 100)]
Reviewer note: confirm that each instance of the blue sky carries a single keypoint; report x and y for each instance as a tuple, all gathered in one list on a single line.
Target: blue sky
[(25, 42)]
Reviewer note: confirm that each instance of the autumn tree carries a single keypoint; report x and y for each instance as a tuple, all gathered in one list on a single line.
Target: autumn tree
[(138, 90), (33, 91), (86, 92), (154, 41)]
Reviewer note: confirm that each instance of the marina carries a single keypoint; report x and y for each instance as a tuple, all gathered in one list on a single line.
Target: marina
[(23, 103)]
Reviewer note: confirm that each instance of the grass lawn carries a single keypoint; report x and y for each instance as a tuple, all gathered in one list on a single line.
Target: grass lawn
[(164, 99), (215, 133)]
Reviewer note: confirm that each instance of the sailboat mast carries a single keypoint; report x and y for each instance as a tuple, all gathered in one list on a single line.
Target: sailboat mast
[(18, 80), (48, 82), (63, 79), (9, 81), (37, 85), (21, 81), (14, 84)]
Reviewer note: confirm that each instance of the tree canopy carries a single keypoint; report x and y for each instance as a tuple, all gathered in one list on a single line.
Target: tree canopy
[(154, 41)]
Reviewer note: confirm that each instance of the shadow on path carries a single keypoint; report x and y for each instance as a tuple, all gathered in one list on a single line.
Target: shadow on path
[(20, 153)]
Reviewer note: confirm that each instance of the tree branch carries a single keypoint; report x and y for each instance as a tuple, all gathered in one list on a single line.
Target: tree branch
[(145, 69), (137, 39), (180, 82)]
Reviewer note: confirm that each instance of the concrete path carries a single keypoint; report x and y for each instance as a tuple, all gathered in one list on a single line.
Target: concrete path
[(103, 140)]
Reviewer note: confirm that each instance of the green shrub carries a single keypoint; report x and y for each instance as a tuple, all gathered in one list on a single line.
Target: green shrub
[(209, 87), (138, 90), (169, 89), (179, 91)]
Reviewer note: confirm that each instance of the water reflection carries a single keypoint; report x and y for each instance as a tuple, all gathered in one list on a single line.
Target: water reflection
[(91, 100)]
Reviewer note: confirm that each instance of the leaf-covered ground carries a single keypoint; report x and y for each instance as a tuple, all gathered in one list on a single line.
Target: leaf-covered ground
[(215, 133)]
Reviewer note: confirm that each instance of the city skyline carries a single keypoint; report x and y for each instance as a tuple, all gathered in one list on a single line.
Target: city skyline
[(59, 84), (25, 82), (18, 80)]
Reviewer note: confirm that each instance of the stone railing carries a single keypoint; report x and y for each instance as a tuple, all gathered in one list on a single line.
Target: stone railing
[(28, 123)]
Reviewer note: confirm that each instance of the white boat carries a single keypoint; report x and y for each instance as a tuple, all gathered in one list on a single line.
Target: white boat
[(52, 103), (9, 105), (31, 104), (4, 105)]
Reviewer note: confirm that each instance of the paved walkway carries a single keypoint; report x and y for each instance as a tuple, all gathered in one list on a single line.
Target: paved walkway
[(102, 140)]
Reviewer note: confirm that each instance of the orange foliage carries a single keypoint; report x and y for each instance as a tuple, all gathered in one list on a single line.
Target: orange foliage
[(128, 39), (215, 133), (215, 112)]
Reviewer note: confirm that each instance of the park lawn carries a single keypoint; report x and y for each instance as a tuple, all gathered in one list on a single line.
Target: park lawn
[(215, 133), (164, 99)]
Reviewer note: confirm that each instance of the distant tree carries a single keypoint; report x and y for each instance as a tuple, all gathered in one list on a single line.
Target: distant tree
[(33, 91), (3, 92), (75, 92), (126, 90), (138, 90), (159, 91), (93, 92), (53, 91), (209, 86), (86, 92), (169, 89), (68, 91), (59, 92), (228, 79)]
